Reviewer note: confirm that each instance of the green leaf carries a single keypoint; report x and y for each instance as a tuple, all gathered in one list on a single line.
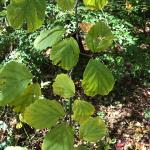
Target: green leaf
[(66, 4), (14, 79), (92, 130), (15, 148), (59, 138), (64, 86), (97, 79), (95, 4), (31, 11), (82, 110), (99, 37), (65, 53), (43, 113), (32, 93), (48, 38)]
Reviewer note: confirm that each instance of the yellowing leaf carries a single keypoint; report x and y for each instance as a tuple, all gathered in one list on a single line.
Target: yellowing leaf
[(64, 86), (65, 54), (95, 4), (31, 11), (14, 79), (48, 38), (66, 4), (92, 130), (82, 110), (32, 93), (19, 125), (97, 79), (59, 138), (43, 113), (99, 37), (128, 6)]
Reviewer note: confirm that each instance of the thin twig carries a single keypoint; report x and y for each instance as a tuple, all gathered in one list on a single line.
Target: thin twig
[(87, 55), (70, 101), (77, 19), (26, 132), (70, 73)]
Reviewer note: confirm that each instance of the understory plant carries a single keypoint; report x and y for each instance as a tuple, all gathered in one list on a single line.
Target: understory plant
[(19, 89)]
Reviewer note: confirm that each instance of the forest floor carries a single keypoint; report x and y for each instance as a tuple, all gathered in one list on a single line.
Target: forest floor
[(127, 119)]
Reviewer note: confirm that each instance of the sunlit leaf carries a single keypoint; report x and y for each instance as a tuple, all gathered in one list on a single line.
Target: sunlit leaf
[(64, 86), (82, 110), (43, 113), (66, 4), (65, 53), (92, 130), (14, 79), (15, 148), (95, 4), (48, 38), (59, 138), (32, 93), (19, 125), (31, 11), (99, 37), (97, 79)]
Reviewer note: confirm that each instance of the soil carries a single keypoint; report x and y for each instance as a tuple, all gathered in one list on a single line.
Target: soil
[(123, 110)]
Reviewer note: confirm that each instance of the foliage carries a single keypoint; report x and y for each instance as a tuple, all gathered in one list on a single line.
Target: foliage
[(19, 43), (82, 110), (66, 4), (15, 148), (27, 97), (102, 37), (97, 129), (48, 38), (17, 12), (60, 88), (64, 46), (60, 137), (11, 75), (134, 62), (95, 4), (34, 114), (97, 79), (60, 51)]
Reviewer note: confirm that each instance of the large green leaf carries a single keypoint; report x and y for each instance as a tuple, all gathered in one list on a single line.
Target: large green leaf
[(14, 79), (48, 38), (97, 79), (31, 11), (99, 37), (15, 148), (95, 4), (43, 113), (92, 130), (82, 110), (66, 4), (64, 86), (32, 93), (59, 138), (65, 53)]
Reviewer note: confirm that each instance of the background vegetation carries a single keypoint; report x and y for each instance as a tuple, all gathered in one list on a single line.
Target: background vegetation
[(128, 57)]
